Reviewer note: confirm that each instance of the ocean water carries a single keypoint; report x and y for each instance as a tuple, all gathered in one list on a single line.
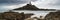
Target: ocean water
[(37, 13)]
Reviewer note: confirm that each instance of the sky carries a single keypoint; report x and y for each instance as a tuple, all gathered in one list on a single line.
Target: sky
[(46, 4)]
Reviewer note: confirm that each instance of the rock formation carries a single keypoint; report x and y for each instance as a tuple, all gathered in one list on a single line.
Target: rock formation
[(32, 7), (28, 7), (14, 15), (53, 16)]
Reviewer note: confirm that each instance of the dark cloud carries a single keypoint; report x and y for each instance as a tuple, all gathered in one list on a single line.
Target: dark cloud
[(5, 3), (34, 0), (14, 1)]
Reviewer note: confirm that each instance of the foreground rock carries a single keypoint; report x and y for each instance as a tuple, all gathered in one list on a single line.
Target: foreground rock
[(53, 16), (14, 16)]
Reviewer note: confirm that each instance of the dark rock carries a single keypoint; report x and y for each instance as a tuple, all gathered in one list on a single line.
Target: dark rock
[(33, 7), (53, 16), (28, 7), (14, 15)]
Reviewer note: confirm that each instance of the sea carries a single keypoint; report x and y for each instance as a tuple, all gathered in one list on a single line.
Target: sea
[(36, 13)]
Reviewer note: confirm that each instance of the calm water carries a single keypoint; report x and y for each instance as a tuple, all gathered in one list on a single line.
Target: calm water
[(37, 13)]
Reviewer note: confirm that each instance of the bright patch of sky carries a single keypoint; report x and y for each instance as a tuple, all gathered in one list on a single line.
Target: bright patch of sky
[(47, 4)]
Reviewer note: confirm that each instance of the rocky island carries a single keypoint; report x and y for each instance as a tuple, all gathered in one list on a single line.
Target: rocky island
[(32, 8)]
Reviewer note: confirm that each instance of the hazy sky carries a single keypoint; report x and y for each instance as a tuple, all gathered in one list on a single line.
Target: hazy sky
[(11, 4)]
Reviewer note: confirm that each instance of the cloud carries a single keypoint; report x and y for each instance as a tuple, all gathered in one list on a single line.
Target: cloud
[(48, 4), (54, 2), (10, 4), (14, 1), (10, 7)]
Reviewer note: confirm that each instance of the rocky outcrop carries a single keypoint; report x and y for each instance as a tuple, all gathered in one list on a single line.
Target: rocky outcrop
[(53, 16), (14, 15), (32, 7), (28, 7), (28, 15)]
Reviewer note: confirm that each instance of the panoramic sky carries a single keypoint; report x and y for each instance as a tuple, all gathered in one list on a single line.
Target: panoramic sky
[(46, 4)]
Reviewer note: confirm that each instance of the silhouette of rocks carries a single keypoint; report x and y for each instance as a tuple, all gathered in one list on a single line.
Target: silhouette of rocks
[(53, 16), (28, 15), (14, 15), (28, 7), (32, 7)]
